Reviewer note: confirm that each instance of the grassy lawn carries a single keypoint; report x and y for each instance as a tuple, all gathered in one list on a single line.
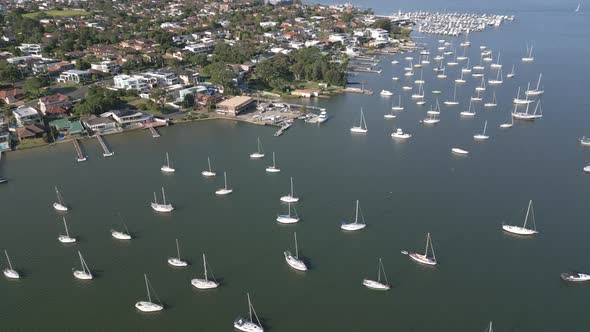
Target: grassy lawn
[(31, 143), (58, 13)]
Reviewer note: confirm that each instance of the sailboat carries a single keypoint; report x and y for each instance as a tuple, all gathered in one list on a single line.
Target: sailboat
[(442, 75), (387, 93), (362, 127), (399, 133), (537, 91), (288, 218), (390, 115), (148, 306), (163, 207), (66, 238), (489, 329), (509, 125), (273, 168), (496, 65), (121, 235), (85, 273), (208, 172), (377, 284), (205, 283), (483, 135), (454, 101), (461, 79), (466, 43), (166, 168), (10, 272), (526, 116), (575, 276), (498, 79), (421, 80), (466, 69), (477, 96), (454, 62), (356, 225), (511, 74), (577, 9), (59, 205), (290, 198), (493, 102), (480, 65), (523, 230), (225, 190), (259, 152), (248, 324), (424, 259), (399, 106), (459, 151), (482, 86), (420, 94), (463, 57), (517, 100), (529, 57), (470, 111), (431, 119), (176, 261), (436, 110), (294, 261)]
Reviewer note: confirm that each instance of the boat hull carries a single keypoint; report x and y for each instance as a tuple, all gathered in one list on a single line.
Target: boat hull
[(11, 274), (246, 326), (82, 275), (223, 191), (208, 174), (285, 219), (358, 130), (177, 262), (161, 207), (66, 239), (145, 306), (575, 277), (352, 226), (204, 284), (295, 262), (372, 284), (272, 169), (422, 259), (120, 235), (459, 151), (518, 230), (60, 207)]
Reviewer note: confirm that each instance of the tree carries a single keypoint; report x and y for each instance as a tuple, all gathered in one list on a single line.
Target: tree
[(159, 95), (383, 23), (188, 101), (97, 101), (9, 72), (34, 86), (275, 72), (219, 73)]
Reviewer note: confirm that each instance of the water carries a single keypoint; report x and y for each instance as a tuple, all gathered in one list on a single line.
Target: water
[(405, 188)]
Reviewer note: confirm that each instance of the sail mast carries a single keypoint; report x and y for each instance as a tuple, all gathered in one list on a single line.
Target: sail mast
[(205, 266), (66, 226), (163, 196), (147, 287), (8, 259), (177, 249), (209, 163), (356, 217), (427, 240), (296, 249)]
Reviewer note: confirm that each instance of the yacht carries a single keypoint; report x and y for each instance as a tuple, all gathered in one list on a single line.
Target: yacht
[(259, 152), (523, 230), (425, 259), (585, 141), (537, 91), (575, 276), (399, 133), (356, 225), (66, 238), (519, 101), (290, 198), (459, 151), (483, 135), (176, 261), (59, 205), (273, 168), (148, 306), (205, 283), (470, 111), (10, 272), (386, 93), (538, 113), (362, 127), (293, 260), (166, 168), (378, 284), (208, 172), (85, 273), (399, 105), (323, 117), (225, 190), (121, 235), (248, 324), (161, 207), (288, 218)]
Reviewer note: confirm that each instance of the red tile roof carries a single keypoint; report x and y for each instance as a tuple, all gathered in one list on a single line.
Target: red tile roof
[(10, 92)]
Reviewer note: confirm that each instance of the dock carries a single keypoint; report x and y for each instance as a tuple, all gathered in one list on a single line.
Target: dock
[(154, 132), (79, 155), (357, 90), (105, 149)]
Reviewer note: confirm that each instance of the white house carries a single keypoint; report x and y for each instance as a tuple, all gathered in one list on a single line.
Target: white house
[(26, 115), (269, 24), (30, 49), (135, 82), (74, 76), (379, 34), (201, 48), (107, 67)]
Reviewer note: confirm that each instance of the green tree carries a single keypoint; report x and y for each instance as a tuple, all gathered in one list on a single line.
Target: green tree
[(383, 23), (98, 100), (34, 86), (188, 101), (9, 72), (219, 73)]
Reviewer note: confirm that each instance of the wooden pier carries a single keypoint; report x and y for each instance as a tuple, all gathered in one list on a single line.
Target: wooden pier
[(105, 149), (80, 156), (154, 132)]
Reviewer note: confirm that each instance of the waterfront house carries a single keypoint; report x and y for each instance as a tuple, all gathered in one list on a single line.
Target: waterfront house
[(56, 100), (74, 76), (26, 115), (30, 49), (31, 131), (4, 140), (107, 67), (235, 105), (100, 125), (67, 127), (129, 119), (55, 112), (10, 96), (306, 93), (135, 82)]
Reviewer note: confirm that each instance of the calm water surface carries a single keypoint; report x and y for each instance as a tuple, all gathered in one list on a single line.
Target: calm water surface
[(406, 189)]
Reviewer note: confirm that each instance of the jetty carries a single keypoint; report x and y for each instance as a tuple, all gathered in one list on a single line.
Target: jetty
[(154, 132), (105, 149), (79, 155), (357, 90)]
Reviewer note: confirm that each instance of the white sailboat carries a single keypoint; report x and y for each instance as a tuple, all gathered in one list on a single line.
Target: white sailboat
[(537, 91), (459, 151), (148, 306), (205, 283), (208, 172), (176, 261), (575, 276), (498, 79), (290, 198), (523, 230), (294, 261), (436, 110), (399, 133), (442, 75), (482, 85), (259, 152), (420, 93), (460, 79), (529, 57), (10, 272), (431, 119), (454, 101), (483, 135), (390, 115), (493, 102), (467, 68), (59, 205), (66, 238), (356, 225), (121, 235), (362, 127), (288, 218), (399, 106), (477, 96), (424, 259), (577, 9), (248, 324), (489, 329), (377, 284), (161, 207), (225, 190), (509, 125), (470, 111), (538, 113), (496, 65), (167, 168), (511, 74), (519, 101), (273, 168), (85, 273)]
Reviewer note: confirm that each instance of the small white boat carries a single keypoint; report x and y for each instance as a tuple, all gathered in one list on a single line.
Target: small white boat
[(496, 65), (288, 218), (424, 259), (436, 110), (587, 169), (10, 272), (459, 151), (420, 93), (377, 284), (395, 78), (161, 207), (460, 79), (454, 101), (294, 261), (409, 58), (399, 133), (177, 261), (482, 86), (519, 101), (523, 230), (498, 79), (85, 273), (356, 225), (466, 69), (406, 87), (537, 114), (248, 324), (470, 111), (442, 74), (509, 125), (511, 74), (493, 102), (362, 127), (208, 172), (59, 205), (148, 306), (529, 57), (585, 141), (121, 235), (386, 93), (477, 96), (399, 106), (273, 168), (167, 168), (394, 62), (537, 91), (483, 135), (575, 276), (225, 190), (66, 238), (205, 283), (290, 198), (259, 152), (431, 119)]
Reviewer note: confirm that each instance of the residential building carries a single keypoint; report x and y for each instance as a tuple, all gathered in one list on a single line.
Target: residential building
[(107, 67), (128, 118), (4, 140), (30, 131), (235, 105), (74, 76), (100, 124), (191, 91), (201, 48), (10, 96), (163, 78), (26, 115), (135, 82), (30, 49), (68, 127), (305, 93), (56, 100)]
